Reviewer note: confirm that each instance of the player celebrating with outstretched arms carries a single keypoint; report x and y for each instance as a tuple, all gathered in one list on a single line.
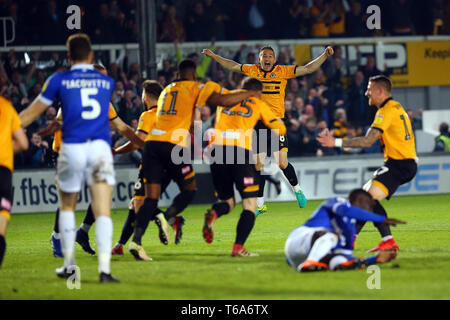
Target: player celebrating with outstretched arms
[(393, 127), (85, 154), (274, 78)]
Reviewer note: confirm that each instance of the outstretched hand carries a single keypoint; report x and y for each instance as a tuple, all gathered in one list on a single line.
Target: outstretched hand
[(393, 222), (326, 139)]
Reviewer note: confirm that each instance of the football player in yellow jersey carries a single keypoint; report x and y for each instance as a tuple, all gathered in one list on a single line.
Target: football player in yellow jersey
[(393, 127), (82, 236), (166, 152), (274, 78), (151, 91), (233, 162), (12, 140)]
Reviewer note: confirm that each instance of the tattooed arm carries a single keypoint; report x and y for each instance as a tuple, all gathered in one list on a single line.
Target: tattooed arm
[(327, 140)]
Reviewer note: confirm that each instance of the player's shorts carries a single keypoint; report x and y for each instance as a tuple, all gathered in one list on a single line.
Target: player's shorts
[(242, 174), (139, 186), (5, 192), (393, 174), (298, 245), (162, 160), (80, 163), (267, 141)]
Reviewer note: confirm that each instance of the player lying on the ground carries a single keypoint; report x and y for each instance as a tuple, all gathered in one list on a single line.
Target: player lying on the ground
[(325, 241), (233, 165), (392, 127), (82, 235), (85, 154)]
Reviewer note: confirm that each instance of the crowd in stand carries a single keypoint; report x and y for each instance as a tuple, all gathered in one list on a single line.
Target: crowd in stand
[(39, 22), (329, 98)]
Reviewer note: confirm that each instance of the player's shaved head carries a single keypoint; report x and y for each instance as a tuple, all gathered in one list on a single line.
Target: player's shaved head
[(251, 84), (361, 199), (383, 82), (79, 46), (152, 88), (187, 69)]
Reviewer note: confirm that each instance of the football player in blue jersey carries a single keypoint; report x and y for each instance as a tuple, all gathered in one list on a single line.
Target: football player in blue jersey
[(85, 155), (325, 240)]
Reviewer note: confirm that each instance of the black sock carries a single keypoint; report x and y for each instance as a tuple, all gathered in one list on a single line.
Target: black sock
[(144, 215), (262, 183), (289, 173), (221, 208), (181, 201), (56, 227), (384, 229), (244, 226), (2, 248), (89, 218), (272, 180), (128, 227)]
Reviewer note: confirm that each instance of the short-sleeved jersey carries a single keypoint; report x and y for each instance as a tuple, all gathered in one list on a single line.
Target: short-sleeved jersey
[(334, 215), (85, 94), (235, 124), (206, 92), (175, 110), (9, 123), (147, 120), (57, 139), (397, 138), (274, 84)]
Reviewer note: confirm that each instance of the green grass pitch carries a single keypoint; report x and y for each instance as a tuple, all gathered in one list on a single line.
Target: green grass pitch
[(196, 270)]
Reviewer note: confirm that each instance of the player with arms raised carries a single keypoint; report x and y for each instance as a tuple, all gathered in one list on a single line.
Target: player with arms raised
[(85, 154), (393, 127), (274, 78)]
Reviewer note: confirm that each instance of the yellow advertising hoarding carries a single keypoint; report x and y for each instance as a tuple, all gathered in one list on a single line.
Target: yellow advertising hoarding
[(412, 64)]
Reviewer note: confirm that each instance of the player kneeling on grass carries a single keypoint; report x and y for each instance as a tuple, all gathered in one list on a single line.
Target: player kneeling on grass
[(325, 240)]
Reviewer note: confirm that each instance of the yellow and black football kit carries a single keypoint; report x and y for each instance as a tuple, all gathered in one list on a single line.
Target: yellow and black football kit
[(274, 88), (9, 123), (174, 114), (399, 147), (146, 123), (232, 147)]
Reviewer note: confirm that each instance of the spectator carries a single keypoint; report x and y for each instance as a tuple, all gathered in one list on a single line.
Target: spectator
[(256, 20), (297, 21), (35, 156), (349, 134), (442, 142), (416, 122), (295, 89), (172, 27), (49, 116), (202, 65), (401, 17), (320, 18), (355, 24), (337, 19), (215, 11), (356, 101), (128, 108), (370, 69), (198, 25), (340, 123), (309, 144), (167, 71)]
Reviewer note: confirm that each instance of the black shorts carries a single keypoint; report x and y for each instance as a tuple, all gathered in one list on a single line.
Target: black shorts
[(139, 186), (393, 174), (265, 138), (226, 174), (5, 190), (158, 165)]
